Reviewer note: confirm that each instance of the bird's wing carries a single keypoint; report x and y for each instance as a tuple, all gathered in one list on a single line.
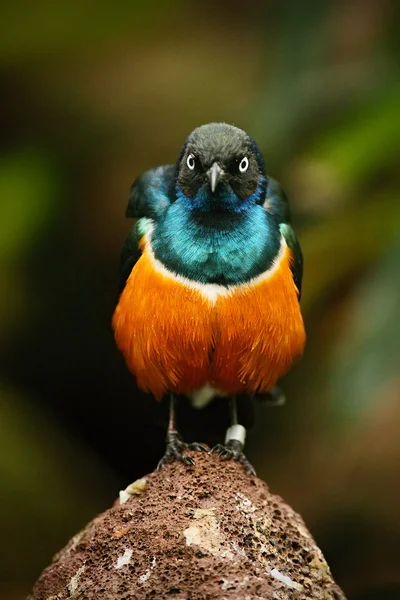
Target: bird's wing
[(149, 198), (150, 193), (276, 203)]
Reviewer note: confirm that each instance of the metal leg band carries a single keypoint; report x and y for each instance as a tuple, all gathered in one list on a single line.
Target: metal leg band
[(237, 433)]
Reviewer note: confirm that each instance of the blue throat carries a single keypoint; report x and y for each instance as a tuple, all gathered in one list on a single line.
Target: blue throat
[(216, 240), (225, 201)]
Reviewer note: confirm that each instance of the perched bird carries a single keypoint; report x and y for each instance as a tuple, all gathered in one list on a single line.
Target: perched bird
[(210, 280)]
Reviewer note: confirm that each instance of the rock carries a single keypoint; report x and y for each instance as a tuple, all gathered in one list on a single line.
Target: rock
[(203, 533)]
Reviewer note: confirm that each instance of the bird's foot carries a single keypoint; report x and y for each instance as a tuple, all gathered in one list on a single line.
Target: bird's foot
[(175, 450), (233, 450)]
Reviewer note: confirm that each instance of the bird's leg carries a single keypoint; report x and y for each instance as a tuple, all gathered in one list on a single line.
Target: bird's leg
[(175, 444), (234, 440)]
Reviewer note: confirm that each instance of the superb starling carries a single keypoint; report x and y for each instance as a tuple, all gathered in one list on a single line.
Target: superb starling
[(210, 280)]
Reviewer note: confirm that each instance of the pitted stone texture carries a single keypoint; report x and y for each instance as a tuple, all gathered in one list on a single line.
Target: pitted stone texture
[(203, 533)]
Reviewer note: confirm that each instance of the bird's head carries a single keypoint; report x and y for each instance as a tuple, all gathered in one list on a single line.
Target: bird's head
[(220, 170)]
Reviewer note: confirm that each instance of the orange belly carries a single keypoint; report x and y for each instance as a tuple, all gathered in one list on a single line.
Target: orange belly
[(175, 337)]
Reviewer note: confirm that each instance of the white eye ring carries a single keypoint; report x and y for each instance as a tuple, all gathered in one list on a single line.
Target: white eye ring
[(190, 161), (244, 164)]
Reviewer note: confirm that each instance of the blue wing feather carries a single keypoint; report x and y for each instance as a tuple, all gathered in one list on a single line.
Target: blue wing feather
[(276, 203), (150, 196), (150, 193)]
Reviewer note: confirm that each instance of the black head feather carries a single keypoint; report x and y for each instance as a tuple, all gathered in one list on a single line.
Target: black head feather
[(227, 146)]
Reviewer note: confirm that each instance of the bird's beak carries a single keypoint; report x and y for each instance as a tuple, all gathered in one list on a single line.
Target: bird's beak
[(214, 175)]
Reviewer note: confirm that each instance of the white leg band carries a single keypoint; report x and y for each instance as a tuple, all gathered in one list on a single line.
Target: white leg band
[(237, 433)]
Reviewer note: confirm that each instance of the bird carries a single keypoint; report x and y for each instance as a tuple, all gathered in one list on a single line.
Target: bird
[(210, 282)]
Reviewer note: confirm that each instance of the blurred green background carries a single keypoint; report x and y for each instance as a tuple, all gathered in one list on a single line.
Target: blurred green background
[(91, 95)]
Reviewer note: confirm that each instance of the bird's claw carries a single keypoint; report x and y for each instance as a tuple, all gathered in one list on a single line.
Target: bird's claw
[(196, 446), (233, 450), (175, 448)]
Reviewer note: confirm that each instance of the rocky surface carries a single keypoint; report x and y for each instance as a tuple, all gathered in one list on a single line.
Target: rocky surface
[(202, 533)]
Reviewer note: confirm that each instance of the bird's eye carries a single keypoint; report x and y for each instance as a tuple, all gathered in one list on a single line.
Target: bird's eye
[(190, 161), (244, 164)]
